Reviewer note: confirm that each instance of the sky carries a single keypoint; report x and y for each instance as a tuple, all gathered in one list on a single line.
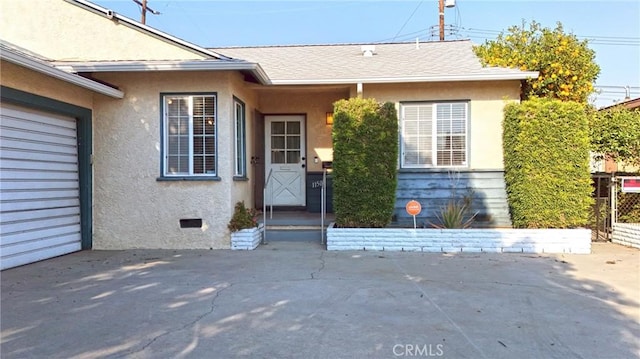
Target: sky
[(612, 27)]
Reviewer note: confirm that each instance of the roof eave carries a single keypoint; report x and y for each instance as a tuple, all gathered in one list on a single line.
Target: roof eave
[(19, 59), (204, 65), (382, 80)]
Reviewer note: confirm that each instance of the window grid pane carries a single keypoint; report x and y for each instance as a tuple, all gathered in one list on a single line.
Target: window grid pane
[(451, 134), (434, 134), (285, 142), (417, 135), (190, 135), (240, 146)]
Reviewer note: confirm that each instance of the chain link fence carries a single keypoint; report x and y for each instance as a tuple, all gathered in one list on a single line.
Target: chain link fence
[(627, 205), (600, 217)]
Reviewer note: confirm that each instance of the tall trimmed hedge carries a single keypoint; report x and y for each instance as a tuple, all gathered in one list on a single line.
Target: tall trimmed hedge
[(365, 156), (546, 157)]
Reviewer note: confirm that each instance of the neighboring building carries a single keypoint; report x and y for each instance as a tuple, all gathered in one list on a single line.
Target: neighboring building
[(631, 104), (169, 131), (609, 165)]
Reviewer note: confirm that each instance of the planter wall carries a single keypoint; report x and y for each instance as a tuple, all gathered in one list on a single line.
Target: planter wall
[(627, 234), (460, 240), (247, 239)]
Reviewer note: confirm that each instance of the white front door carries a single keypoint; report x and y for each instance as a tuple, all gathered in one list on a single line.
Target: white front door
[(285, 160)]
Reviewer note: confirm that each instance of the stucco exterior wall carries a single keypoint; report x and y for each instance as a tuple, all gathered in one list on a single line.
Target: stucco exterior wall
[(487, 101), (131, 208), (315, 104), (87, 35), (242, 190), (26, 80)]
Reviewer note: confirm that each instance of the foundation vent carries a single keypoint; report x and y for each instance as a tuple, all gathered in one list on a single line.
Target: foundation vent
[(191, 223)]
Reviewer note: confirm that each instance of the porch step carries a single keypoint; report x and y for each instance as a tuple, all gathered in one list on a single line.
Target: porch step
[(295, 226), (296, 219), (297, 235)]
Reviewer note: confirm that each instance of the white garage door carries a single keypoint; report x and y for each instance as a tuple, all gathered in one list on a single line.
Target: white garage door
[(39, 190)]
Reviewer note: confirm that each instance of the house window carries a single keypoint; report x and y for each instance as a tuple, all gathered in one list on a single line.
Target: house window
[(240, 139), (434, 134), (189, 126)]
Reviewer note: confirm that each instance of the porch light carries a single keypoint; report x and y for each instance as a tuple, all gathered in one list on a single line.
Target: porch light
[(329, 118)]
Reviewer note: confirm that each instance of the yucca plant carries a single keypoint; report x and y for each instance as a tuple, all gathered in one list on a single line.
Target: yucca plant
[(456, 213)]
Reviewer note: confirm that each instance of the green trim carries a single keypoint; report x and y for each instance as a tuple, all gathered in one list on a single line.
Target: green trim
[(243, 128), (83, 118), (240, 178)]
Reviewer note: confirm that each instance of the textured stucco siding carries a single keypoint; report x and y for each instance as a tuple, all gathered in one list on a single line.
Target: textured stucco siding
[(487, 100), (23, 79), (315, 104), (627, 234), (131, 208), (242, 190), (87, 35)]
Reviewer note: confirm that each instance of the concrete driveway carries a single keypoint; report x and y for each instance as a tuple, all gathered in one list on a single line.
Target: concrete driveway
[(295, 300)]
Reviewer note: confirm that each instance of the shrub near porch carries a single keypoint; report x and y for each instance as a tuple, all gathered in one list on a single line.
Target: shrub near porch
[(546, 155), (365, 156)]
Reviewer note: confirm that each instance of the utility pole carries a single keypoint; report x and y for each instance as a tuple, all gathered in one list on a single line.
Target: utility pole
[(441, 14), (441, 5), (143, 10)]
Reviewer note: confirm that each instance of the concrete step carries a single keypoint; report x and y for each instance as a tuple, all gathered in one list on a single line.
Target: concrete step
[(294, 227), (293, 235), (293, 218)]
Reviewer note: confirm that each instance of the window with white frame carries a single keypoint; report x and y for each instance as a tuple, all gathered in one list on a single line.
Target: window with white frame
[(240, 139), (434, 134), (189, 134)]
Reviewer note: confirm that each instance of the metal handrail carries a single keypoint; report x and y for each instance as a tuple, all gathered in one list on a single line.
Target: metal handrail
[(323, 204), (264, 207)]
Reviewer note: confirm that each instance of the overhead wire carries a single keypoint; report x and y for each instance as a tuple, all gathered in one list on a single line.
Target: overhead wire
[(407, 21)]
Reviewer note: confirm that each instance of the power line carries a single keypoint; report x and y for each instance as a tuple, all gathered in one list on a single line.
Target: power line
[(486, 33), (407, 21)]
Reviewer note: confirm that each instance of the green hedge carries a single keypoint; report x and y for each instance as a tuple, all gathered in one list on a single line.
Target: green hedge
[(365, 156), (546, 157)]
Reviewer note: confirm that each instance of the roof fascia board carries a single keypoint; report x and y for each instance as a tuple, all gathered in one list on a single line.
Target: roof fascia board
[(147, 29), (44, 68), (380, 80), (204, 65)]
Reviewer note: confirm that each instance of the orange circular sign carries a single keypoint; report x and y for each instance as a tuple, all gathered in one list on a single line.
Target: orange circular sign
[(413, 208)]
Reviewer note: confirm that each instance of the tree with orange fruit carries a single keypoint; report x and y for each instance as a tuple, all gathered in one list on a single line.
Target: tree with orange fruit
[(566, 65)]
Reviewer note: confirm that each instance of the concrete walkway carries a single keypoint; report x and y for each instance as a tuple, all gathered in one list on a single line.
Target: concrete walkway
[(295, 300)]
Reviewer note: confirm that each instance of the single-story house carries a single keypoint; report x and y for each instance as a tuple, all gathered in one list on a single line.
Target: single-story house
[(116, 135)]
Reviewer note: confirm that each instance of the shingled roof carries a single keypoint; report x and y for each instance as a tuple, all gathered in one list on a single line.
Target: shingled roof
[(390, 62)]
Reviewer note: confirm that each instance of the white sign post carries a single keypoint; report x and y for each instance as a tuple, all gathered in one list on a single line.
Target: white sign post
[(413, 209)]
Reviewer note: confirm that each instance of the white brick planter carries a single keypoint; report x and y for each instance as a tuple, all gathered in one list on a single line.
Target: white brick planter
[(247, 239), (460, 240), (627, 234)]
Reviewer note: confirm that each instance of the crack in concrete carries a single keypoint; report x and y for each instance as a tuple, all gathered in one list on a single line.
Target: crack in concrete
[(442, 311), (185, 326), (322, 261)]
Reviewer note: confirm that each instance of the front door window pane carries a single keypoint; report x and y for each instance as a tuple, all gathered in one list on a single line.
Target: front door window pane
[(293, 128), (277, 128), (277, 157)]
